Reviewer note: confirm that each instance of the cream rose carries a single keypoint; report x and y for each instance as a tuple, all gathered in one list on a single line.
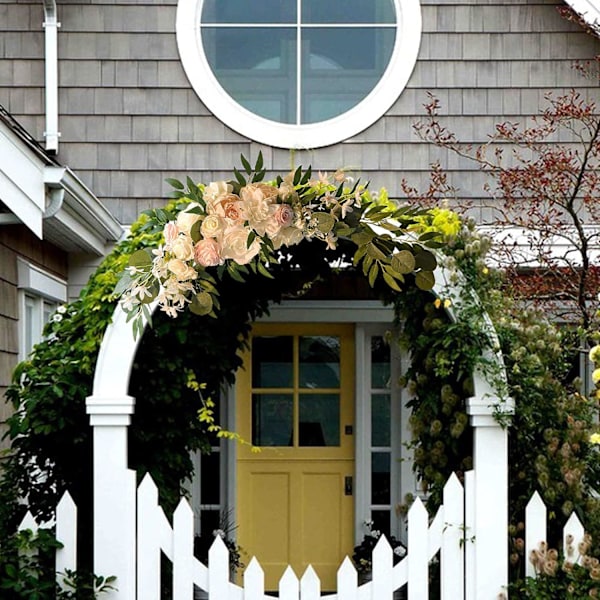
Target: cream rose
[(181, 269), (206, 253), (212, 226), (185, 219), (235, 246), (183, 247)]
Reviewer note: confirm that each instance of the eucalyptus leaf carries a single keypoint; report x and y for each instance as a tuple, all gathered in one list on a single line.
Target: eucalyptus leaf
[(141, 259), (425, 260), (201, 304), (325, 221)]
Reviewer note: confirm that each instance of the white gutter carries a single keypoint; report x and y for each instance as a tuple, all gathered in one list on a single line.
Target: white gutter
[(51, 26), (589, 10)]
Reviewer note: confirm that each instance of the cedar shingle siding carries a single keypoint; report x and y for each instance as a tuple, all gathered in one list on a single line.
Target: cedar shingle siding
[(129, 117)]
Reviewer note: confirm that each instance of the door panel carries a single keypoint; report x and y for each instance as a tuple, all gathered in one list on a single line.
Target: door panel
[(292, 502)]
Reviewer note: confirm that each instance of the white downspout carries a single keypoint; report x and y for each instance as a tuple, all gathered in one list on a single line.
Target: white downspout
[(51, 26)]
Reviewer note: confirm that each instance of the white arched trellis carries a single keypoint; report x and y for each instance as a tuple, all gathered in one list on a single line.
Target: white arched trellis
[(110, 408)]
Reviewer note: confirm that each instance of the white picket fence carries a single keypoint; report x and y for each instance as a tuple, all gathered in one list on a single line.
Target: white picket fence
[(445, 536)]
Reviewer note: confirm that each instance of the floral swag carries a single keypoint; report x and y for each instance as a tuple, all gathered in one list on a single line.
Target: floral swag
[(229, 227)]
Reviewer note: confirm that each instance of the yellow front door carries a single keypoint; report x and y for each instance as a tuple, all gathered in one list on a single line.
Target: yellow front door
[(295, 400)]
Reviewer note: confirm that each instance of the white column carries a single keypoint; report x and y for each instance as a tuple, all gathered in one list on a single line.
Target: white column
[(114, 494), (490, 455)]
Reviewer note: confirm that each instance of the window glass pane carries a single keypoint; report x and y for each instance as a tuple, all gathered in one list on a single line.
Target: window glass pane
[(343, 11), (380, 478), (272, 419), (240, 11), (355, 58), (380, 363), (380, 420), (257, 67), (319, 423), (381, 521), (210, 520), (272, 362), (210, 478), (319, 362), (31, 319)]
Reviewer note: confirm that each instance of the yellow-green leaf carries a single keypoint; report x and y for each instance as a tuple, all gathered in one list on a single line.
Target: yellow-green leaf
[(391, 282), (140, 259), (403, 262), (374, 252), (325, 221), (425, 280), (374, 271)]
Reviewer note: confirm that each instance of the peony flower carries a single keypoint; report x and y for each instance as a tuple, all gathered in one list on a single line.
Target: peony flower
[(212, 226), (214, 190), (186, 219), (206, 253), (232, 208), (181, 269), (235, 246), (183, 247)]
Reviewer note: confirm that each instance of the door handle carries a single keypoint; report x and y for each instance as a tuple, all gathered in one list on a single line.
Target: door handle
[(348, 485)]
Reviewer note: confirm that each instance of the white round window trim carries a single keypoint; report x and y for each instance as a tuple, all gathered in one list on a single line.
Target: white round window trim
[(313, 135)]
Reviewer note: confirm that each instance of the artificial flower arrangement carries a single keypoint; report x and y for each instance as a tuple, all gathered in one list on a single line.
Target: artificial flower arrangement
[(228, 227)]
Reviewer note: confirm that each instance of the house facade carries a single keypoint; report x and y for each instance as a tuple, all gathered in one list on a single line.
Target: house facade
[(128, 94)]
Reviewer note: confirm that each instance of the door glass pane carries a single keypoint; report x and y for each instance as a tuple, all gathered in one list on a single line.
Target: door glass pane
[(355, 57), (380, 420), (240, 11), (320, 362), (342, 11), (210, 478), (272, 362), (380, 478), (272, 419), (380, 363), (256, 66), (319, 422)]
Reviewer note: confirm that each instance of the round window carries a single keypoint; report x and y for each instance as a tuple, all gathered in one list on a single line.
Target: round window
[(298, 73)]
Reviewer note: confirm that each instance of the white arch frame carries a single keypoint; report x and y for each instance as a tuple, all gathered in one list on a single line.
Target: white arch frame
[(308, 136), (110, 408)]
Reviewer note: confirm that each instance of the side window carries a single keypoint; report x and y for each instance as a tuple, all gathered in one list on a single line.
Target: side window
[(40, 294), (298, 73)]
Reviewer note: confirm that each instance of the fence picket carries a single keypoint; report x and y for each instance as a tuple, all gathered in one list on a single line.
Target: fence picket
[(310, 585), (66, 533), (452, 563), (148, 542), (347, 581), (573, 536), (183, 551), (418, 559), (254, 581), (535, 530), (468, 532), (218, 570), (289, 588)]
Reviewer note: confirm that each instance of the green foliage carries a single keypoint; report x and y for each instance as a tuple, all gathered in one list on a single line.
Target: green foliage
[(27, 571)]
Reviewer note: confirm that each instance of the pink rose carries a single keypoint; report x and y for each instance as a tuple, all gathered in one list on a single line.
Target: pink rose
[(284, 215), (206, 253)]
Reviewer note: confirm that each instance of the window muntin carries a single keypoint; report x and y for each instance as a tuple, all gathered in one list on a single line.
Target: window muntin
[(280, 72)]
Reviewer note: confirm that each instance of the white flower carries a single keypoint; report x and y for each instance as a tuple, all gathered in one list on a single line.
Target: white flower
[(57, 318), (235, 246), (181, 269), (62, 309)]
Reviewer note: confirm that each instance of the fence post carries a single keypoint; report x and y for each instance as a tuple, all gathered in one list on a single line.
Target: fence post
[(114, 494), (490, 496)]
